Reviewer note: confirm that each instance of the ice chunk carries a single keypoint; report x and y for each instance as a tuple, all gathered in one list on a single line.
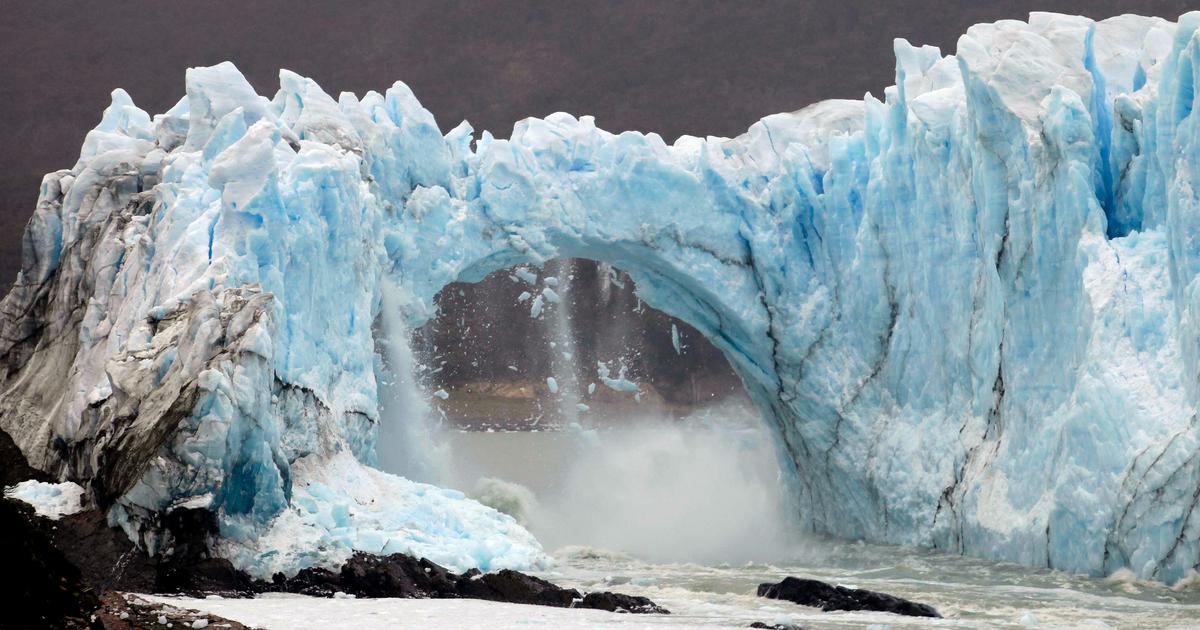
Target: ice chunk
[(342, 506), (620, 383), (552, 384), (49, 500), (525, 275)]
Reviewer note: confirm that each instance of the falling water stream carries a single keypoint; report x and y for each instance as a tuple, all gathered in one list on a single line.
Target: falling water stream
[(408, 442), (562, 351)]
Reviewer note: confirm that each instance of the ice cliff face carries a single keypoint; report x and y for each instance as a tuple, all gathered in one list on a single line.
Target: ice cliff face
[(970, 312)]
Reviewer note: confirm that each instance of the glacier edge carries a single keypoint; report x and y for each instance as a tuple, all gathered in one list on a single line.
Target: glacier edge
[(968, 311)]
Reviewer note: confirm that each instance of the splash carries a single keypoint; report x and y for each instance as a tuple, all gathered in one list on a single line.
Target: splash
[(705, 489), (510, 498)]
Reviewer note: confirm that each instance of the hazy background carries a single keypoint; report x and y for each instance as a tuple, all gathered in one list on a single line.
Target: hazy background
[(700, 68)]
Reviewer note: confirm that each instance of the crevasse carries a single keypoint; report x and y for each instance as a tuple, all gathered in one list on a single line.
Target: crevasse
[(968, 312)]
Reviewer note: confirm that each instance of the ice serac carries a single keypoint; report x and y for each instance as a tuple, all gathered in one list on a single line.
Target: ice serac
[(969, 312)]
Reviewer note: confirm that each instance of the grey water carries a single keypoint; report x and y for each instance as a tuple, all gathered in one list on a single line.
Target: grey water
[(692, 514)]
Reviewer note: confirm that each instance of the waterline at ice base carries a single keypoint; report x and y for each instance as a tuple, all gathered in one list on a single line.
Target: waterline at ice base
[(968, 313)]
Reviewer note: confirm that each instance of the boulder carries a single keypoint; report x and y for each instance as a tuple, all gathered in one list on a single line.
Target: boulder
[(616, 602), (828, 597)]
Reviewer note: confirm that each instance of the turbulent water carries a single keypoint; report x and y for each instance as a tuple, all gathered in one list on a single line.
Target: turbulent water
[(690, 515), (969, 593), (646, 487)]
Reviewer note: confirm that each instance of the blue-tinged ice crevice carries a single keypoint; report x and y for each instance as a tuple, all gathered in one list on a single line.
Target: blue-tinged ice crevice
[(967, 311)]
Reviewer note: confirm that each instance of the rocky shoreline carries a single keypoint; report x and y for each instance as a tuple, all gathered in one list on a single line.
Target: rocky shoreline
[(82, 573), (401, 575), (78, 570)]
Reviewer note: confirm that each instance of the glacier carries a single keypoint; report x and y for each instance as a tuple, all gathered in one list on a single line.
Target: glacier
[(969, 312)]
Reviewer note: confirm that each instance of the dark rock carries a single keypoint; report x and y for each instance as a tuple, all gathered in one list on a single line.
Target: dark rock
[(400, 575), (204, 577), (105, 558), (311, 582), (517, 588), (364, 575), (828, 597), (104, 555), (616, 602), (79, 559), (14, 468), (186, 566), (397, 575), (777, 626), (44, 590)]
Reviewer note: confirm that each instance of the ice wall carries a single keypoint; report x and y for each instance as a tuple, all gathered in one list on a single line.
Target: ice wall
[(968, 311)]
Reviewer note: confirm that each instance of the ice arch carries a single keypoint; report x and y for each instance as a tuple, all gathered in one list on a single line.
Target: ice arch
[(920, 292)]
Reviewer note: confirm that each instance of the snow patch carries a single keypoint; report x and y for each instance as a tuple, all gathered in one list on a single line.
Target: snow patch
[(49, 500)]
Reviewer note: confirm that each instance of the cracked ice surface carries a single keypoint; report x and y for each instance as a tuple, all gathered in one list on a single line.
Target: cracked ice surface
[(968, 311)]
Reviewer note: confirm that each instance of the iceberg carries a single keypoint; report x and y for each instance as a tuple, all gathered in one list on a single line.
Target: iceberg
[(969, 312)]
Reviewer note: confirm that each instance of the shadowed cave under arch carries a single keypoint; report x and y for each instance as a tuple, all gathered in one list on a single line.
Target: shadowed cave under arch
[(602, 455)]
